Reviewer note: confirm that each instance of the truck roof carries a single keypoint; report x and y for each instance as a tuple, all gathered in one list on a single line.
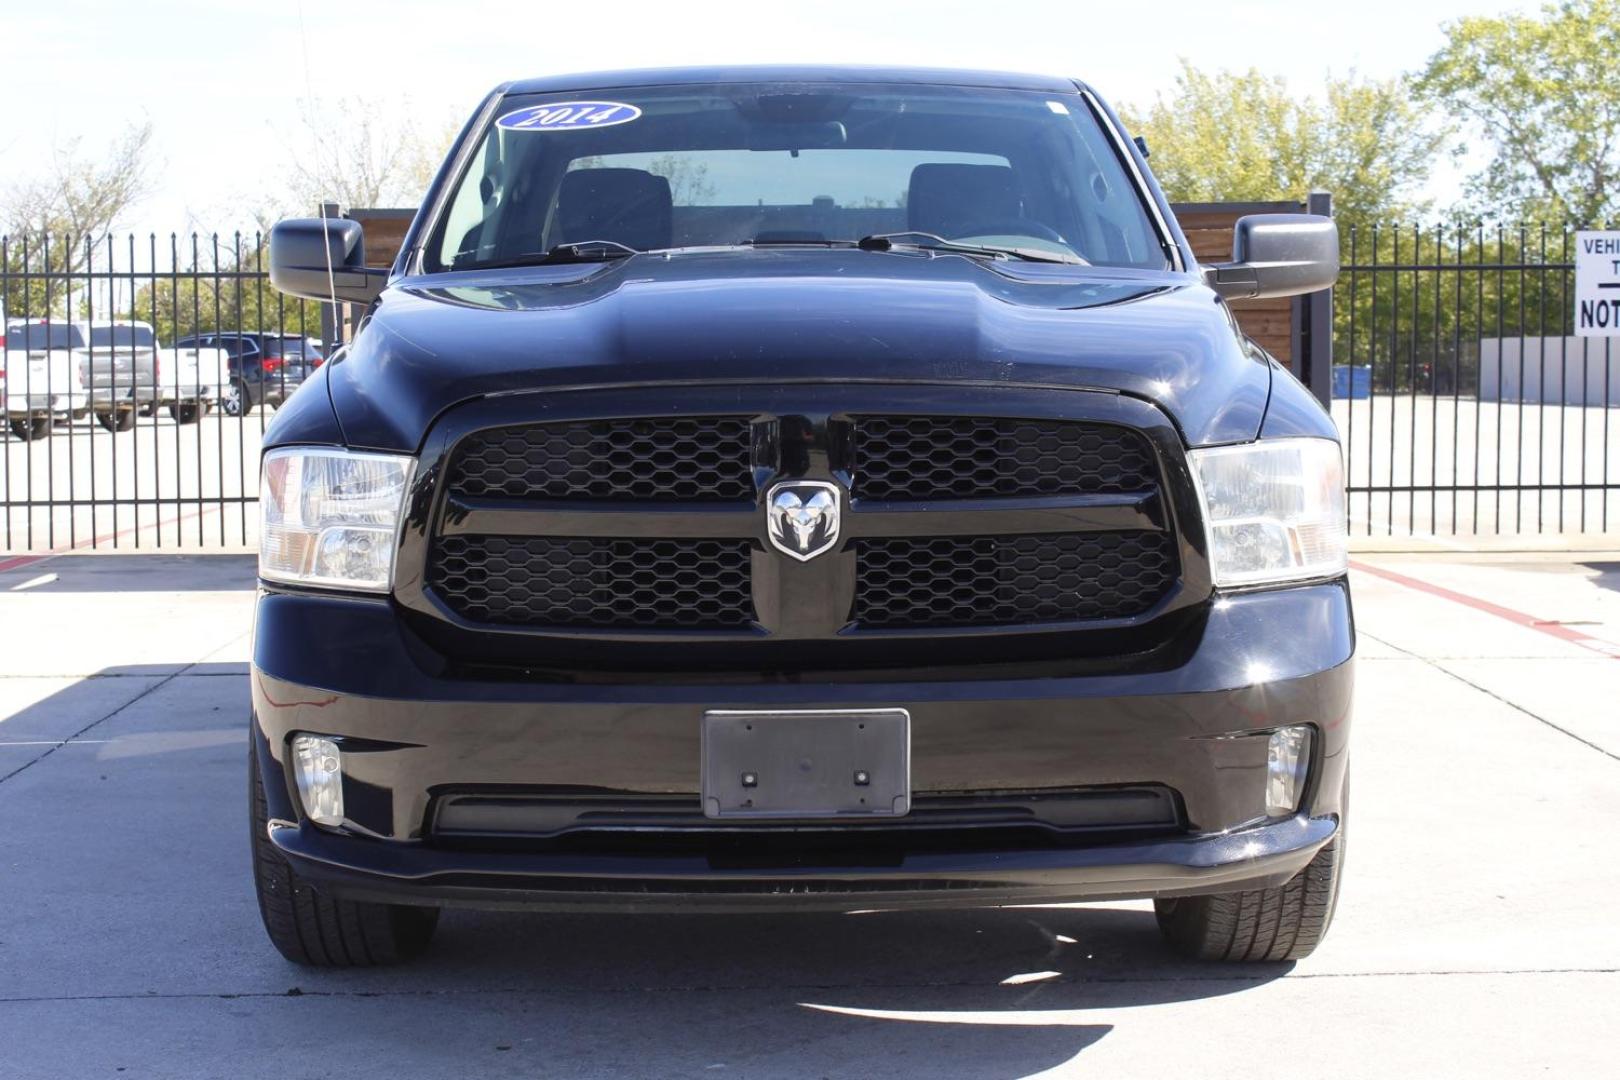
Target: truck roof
[(830, 73)]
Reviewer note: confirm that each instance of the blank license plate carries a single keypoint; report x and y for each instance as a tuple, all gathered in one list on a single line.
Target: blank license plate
[(806, 764)]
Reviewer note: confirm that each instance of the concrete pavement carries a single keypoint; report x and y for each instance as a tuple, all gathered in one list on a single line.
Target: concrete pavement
[(1476, 935)]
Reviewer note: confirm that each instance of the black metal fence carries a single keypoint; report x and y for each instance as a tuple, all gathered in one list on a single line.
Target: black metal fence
[(139, 371), (1465, 404)]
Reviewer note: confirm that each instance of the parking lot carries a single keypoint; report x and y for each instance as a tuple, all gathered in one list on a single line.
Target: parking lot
[(1476, 934), (161, 484)]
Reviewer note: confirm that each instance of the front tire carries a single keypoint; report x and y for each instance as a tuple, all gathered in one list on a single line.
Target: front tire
[(117, 419), (236, 401), (31, 429), (188, 412), (1258, 925), (315, 929)]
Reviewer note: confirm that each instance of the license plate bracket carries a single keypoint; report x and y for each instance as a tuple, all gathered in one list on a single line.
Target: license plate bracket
[(806, 763)]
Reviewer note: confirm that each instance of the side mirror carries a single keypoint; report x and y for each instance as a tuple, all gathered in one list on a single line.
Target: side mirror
[(1278, 255), (323, 259)]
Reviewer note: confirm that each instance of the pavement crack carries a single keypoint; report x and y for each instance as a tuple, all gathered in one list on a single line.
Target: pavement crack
[(143, 695), (1466, 681)]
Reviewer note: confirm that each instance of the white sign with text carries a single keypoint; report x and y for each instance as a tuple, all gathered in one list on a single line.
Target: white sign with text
[(1597, 284)]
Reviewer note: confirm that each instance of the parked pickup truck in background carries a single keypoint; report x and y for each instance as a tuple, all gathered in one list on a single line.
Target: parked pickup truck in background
[(43, 379), (56, 370), (126, 370)]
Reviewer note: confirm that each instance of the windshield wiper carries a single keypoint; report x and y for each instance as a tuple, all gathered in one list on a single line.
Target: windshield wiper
[(577, 252), (927, 241)]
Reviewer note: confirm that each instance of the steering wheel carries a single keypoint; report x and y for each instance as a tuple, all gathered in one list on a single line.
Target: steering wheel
[(1008, 227)]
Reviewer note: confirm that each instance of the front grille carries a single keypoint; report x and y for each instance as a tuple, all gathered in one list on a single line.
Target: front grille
[(971, 457), (541, 581), (670, 823), (986, 581), (655, 527), (688, 459)]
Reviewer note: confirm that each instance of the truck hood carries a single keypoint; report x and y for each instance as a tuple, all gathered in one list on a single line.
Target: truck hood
[(780, 315)]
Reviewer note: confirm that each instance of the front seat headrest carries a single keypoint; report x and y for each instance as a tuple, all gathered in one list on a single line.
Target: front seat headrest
[(631, 206), (946, 198)]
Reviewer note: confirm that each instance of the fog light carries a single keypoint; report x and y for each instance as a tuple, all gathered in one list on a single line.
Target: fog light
[(318, 770), (1288, 759)]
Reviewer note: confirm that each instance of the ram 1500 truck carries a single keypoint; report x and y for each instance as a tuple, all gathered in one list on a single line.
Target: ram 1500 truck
[(763, 489)]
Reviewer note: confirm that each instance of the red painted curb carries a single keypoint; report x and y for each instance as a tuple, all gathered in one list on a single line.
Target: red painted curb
[(17, 562), (1518, 618)]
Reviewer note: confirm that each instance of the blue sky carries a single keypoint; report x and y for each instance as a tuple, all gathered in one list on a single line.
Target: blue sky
[(221, 81)]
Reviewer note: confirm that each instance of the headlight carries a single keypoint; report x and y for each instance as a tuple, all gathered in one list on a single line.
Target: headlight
[(330, 517), (1274, 510)]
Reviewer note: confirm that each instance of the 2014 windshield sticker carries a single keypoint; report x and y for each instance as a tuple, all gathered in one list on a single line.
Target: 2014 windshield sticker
[(568, 116)]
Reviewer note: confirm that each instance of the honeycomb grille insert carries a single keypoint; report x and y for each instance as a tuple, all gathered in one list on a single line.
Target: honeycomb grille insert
[(686, 459), (1009, 580), (967, 457), (624, 584)]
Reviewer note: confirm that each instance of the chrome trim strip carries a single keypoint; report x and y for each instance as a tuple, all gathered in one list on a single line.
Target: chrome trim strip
[(441, 201), (1165, 235)]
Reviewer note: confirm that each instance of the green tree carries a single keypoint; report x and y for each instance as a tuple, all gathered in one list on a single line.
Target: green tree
[(224, 288), (1244, 136), (1424, 296), (1542, 93)]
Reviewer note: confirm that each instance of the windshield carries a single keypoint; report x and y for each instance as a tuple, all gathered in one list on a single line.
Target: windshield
[(768, 164), (35, 336), (121, 336)]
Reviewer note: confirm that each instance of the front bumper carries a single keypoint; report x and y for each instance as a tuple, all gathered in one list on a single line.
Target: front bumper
[(349, 668), (105, 397), (1265, 855), (19, 405)]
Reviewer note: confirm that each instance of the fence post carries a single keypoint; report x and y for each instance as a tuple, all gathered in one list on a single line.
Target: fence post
[(331, 314), (1317, 370)]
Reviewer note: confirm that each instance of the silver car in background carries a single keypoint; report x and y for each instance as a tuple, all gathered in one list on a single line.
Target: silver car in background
[(127, 371)]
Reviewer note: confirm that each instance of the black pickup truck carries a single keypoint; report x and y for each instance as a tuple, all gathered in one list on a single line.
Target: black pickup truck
[(767, 489)]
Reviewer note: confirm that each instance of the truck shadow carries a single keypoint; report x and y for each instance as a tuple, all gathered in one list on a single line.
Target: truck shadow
[(1605, 575), (993, 992), (152, 794), (138, 571)]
